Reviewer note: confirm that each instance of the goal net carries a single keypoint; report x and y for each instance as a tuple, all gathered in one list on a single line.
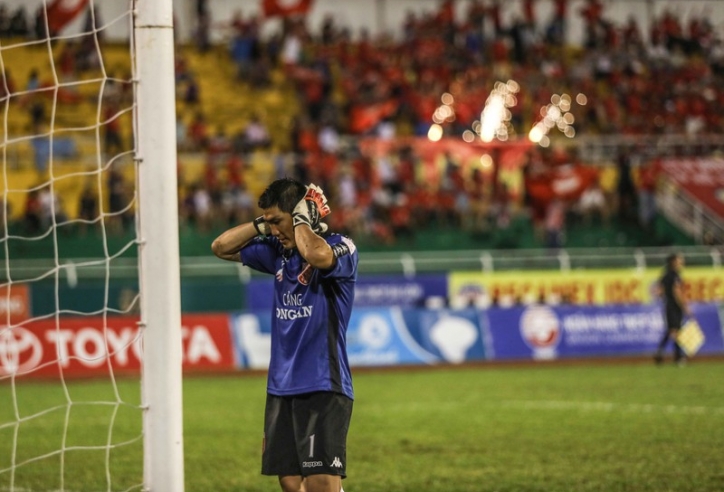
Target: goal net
[(89, 288)]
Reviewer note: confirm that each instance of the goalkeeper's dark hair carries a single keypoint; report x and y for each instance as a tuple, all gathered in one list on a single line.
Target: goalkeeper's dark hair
[(284, 193)]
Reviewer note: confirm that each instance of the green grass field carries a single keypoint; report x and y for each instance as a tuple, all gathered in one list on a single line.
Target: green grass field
[(537, 427)]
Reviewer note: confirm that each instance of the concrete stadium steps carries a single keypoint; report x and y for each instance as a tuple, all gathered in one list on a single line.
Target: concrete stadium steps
[(68, 184), (259, 171), (230, 103), (77, 103)]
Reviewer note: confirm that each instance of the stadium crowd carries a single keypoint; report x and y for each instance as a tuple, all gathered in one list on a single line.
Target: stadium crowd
[(351, 87), (664, 82)]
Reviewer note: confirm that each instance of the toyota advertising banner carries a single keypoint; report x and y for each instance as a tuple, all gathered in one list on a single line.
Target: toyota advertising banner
[(83, 346)]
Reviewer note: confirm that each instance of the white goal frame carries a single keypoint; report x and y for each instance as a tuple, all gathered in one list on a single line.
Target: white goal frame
[(159, 277)]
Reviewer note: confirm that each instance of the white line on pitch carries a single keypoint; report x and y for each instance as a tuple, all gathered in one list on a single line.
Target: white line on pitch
[(603, 406)]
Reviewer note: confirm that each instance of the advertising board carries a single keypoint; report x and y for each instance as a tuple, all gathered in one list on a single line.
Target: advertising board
[(378, 337), (395, 336), (545, 332), (584, 287), (87, 346), (370, 290), (14, 303)]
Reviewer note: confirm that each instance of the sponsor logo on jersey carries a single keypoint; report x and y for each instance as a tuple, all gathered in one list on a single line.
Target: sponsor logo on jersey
[(294, 313), (306, 274), (311, 464), (336, 463)]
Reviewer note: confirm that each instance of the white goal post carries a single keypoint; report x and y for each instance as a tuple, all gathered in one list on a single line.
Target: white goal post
[(158, 245)]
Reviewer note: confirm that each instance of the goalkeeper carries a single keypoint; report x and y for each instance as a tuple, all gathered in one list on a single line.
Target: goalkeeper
[(309, 387)]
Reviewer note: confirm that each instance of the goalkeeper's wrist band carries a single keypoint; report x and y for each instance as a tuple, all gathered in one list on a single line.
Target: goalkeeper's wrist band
[(261, 226), (300, 219)]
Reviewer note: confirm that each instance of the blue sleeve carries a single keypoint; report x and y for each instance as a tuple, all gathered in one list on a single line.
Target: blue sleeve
[(346, 258), (261, 254)]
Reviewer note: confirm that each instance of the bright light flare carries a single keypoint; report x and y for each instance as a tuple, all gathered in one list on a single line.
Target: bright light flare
[(513, 86), (556, 114), (495, 117), (486, 162), (537, 132), (435, 133), (492, 116)]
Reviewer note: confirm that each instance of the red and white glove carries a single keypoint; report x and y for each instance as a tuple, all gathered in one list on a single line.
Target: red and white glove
[(311, 209)]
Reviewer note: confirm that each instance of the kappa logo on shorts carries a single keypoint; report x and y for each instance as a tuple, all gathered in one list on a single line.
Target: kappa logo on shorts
[(336, 463), (311, 464)]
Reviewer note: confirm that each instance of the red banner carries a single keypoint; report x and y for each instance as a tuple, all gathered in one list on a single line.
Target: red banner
[(703, 179), (285, 8), (566, 182), (14, 303), (81, 347), (505, 158)]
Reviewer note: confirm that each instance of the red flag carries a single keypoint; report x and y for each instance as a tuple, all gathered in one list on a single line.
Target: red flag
[(62, 12), (365, 117), (285, 8), (567, 182)]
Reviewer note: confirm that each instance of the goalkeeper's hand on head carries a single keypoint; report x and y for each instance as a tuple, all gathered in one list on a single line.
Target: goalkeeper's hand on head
[(311, 209)]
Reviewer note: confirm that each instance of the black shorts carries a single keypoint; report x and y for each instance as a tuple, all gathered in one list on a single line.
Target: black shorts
[(306, 434)]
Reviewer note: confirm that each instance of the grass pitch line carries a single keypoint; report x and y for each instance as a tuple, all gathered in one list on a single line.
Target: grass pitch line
[(612, 407)]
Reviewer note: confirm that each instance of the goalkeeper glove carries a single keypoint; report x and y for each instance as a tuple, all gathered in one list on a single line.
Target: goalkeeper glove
[(311, 209), (261, 226)]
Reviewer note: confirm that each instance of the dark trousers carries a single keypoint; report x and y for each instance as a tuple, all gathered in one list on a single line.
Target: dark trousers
[(674, 318), (678, 352)]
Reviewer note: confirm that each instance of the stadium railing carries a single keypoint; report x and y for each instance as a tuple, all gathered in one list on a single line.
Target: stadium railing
[(413, 263)]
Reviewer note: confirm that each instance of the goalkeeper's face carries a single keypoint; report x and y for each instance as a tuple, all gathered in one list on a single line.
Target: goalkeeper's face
[(281, 226)]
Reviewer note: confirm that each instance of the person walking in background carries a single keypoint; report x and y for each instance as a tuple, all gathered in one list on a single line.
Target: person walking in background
[(309, 386), (671, 289)]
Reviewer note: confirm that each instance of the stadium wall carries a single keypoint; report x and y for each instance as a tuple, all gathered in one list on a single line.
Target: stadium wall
[(425, 319), (456, 289), (384, 336)]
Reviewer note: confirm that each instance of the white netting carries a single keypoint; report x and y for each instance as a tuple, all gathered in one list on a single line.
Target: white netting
[(68, 287)]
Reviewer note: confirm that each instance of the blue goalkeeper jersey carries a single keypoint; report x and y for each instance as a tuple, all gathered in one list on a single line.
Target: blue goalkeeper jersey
[(310, 316)]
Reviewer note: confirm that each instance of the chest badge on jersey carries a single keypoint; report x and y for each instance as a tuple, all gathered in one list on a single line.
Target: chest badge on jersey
[(306, 274)]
